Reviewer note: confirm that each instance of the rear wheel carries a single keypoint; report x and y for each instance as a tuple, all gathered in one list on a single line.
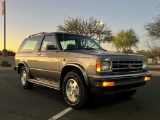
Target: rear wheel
[(74, 90), (24, 76)]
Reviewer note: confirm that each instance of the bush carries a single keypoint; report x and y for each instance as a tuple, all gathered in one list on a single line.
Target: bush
[(5, 64)]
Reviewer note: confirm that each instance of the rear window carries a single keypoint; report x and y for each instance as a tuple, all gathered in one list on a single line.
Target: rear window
[(29, 44)]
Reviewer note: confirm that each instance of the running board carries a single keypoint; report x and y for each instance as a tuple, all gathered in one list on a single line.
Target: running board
[(46, 83)]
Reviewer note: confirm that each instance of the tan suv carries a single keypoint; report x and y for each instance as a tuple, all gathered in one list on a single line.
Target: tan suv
[(78, 66)]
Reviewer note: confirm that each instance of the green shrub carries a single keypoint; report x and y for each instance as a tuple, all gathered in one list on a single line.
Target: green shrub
[(5, 64)]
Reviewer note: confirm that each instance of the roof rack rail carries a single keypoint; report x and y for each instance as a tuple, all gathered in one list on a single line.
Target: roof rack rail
[(38, 34)]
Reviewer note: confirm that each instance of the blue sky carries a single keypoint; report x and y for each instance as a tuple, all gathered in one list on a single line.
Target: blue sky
[(26, 17)]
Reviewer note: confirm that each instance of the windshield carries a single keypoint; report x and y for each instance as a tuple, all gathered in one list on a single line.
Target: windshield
[(77, 42)]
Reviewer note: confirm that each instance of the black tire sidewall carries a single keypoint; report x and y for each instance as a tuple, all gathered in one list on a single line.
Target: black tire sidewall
[(27, 83), (82, 90)]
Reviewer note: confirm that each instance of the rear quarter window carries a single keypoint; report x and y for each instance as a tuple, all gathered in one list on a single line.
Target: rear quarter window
[(29, 44)]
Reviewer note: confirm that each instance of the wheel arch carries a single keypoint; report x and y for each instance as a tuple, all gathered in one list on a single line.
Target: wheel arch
[(21, 64), (70, 67)]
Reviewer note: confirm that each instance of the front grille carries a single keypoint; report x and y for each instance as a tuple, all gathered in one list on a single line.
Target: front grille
[(126, 66)]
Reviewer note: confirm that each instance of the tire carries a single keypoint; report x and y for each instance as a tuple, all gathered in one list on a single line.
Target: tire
[(74, 90), (24, 76), (125, 94)]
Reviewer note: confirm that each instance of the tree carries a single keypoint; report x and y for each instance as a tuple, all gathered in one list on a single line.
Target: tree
[(146, 53), (153, 47), (91, 27), (12, 51), (153, 28), (125, 40)]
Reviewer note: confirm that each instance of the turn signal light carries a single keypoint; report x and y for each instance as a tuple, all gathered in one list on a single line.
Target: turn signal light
[(98, 66), (105, 84), (147, 78)]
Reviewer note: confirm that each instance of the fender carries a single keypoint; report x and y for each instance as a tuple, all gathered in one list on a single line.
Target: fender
[(26, 66), (82, 69)]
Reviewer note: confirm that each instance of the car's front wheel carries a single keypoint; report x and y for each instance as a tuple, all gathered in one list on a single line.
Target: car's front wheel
[(74, 90), (24, 76)]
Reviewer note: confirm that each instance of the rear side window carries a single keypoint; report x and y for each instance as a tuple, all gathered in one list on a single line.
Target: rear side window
[(29, 44)]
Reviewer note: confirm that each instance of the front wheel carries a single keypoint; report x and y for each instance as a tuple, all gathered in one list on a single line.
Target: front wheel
[(74, 90)]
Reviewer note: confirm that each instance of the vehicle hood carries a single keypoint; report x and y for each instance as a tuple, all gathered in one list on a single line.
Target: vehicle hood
[(101, 52), (109, 55)]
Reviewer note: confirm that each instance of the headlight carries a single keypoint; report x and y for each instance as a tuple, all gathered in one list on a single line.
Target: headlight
[(145, 64), (105, 66)]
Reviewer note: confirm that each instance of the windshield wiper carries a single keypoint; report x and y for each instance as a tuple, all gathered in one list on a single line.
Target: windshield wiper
[(103, 49), (89, 48)]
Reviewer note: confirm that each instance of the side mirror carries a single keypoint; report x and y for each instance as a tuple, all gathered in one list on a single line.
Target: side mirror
[(51, 47)]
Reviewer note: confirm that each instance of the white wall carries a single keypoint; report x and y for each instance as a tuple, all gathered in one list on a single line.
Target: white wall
[(10, 59)]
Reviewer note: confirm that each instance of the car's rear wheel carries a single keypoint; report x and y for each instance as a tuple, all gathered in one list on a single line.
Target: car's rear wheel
[(74, 90), (24, 76)]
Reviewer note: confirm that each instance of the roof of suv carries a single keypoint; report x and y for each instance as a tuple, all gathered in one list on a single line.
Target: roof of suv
[(49, 33)]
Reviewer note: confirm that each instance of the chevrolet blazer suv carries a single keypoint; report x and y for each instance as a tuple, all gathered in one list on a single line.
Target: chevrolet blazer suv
[(78, 66)]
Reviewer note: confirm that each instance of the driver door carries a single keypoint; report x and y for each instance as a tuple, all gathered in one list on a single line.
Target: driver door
[(47, 63)]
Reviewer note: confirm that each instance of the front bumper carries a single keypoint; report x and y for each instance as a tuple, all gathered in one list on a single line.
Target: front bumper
[(15, 68), (121, 82)]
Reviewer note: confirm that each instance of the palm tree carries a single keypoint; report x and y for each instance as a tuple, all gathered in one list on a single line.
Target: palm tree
[(124, 40)]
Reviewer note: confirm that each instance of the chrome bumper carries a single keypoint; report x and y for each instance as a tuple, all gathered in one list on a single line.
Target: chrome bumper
[(15, 68), (120, 80), (135, 75)]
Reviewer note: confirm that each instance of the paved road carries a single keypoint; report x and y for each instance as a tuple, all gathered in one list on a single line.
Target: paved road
[(42, 103)]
